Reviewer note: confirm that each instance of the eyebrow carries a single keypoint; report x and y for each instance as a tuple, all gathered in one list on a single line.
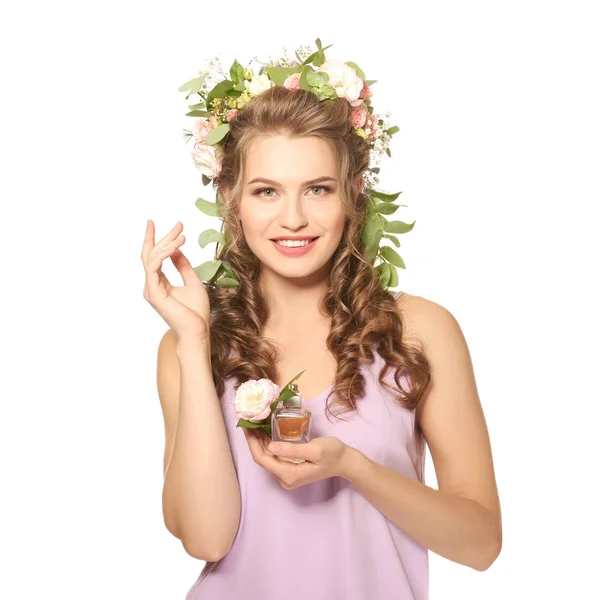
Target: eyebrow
[(277, 184)]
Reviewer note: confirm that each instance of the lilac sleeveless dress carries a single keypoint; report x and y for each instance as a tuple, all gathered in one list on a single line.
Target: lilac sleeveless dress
[(324, 540)]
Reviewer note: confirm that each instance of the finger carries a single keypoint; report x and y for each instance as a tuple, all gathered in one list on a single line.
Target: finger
[(182, 264), (150, 238), (153, 267)]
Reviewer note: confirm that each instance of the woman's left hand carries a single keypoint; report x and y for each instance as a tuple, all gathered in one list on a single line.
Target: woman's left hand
[(324, 457)]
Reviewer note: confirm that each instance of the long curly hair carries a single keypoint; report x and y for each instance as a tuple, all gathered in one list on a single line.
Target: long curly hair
[(363, 314)]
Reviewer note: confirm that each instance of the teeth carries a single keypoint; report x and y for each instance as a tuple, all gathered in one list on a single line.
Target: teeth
[(293, 243)]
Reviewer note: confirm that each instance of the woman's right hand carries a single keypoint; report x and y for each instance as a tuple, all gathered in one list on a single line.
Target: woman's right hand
[(186, 309)]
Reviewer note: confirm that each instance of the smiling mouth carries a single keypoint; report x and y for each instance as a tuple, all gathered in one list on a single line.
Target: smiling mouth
[(309, 241)]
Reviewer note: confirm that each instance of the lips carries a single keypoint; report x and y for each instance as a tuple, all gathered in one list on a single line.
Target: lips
[(295, 239)]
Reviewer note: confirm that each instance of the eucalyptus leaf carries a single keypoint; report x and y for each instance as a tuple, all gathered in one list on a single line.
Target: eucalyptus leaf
[(193, 86), (393, 239), (227, 282), (278, 74), (205, 179), (303, 80), (388, 152), (358, 70), (209, 208), (372, 224), (209, 236), (394, 279), (240, 87), (217, 134), (384, 197), (198, 113), (393, 130), (196, 106), (207, 270), (399, 227), (391, 256), (384, 273), (385, 208)]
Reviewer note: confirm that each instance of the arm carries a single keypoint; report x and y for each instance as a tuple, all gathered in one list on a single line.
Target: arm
[(201, 497), (461, 520)]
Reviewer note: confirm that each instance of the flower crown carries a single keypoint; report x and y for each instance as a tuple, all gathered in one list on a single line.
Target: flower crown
[(222, 99)]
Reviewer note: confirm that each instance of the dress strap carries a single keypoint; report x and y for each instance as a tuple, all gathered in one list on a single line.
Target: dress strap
[(398, 294)]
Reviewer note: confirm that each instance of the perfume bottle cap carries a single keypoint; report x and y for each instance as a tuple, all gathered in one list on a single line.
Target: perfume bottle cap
[(294, 401)]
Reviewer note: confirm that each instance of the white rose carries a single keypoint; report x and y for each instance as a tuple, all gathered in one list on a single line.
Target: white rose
[(258, 84), (207, 159), (343, 79)]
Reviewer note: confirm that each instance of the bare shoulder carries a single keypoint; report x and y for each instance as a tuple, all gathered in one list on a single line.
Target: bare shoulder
[(450, 413)]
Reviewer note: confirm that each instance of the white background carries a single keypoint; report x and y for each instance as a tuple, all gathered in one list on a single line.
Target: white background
[(492, 158)]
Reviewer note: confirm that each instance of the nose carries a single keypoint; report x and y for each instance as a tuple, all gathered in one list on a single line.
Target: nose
[(293, 213)]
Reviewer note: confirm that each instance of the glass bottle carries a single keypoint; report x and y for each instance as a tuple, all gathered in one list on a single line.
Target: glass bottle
[(291, 422)]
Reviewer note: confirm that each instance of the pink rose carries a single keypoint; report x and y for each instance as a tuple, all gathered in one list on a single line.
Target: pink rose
[(207, 158), (358, 118), (200, 130), (356, 102), (253, 399), (232, 113), (371, 125), (292, 82), (366, 91)]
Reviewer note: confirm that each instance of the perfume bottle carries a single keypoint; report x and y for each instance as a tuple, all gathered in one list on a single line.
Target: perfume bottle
[(291, 422)]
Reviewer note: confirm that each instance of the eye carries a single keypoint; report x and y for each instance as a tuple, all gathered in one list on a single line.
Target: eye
[(320, 187), (261, 191)]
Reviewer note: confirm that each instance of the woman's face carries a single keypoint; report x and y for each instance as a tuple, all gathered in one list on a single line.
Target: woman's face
[(287, 204)]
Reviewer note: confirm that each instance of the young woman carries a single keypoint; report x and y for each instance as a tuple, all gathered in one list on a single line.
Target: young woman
[(384, 374)]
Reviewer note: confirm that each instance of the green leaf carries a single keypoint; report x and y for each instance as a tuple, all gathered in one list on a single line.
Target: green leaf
[(227, 282), (211, 235), (205, 179), (399, 227), (391, 256), (372, 225), (384, 197), (228, 269), (217, 134), (394, 279), (198, 113), (371, 81), (236, 72), (240, 87), (303, 81), (248, 424), (393, 130), (393, 239), (384, 273), (209, 208), (388, 152), (207, 270), (317, 78), (197, 106), (220, 90), (385, 208), (193, 86), (358, 70), (278, 74)]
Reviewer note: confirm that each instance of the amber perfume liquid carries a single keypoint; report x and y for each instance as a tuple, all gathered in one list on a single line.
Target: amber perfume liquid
[(291, 422)]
